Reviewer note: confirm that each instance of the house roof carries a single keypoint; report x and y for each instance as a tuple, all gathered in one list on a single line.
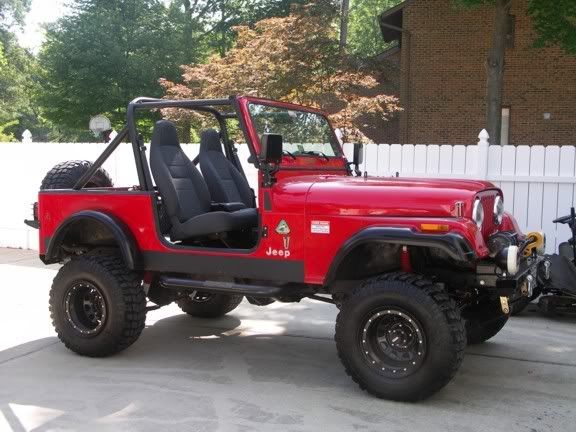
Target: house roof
[(391, 21)]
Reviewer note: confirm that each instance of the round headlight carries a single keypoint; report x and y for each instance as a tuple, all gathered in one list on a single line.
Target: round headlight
[(498, 210), (478, 213)]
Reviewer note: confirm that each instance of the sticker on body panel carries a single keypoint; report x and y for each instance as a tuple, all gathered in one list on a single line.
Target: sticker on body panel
[(320, 227), (284, 230)]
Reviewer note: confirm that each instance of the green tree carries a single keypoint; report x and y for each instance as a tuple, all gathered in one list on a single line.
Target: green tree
[(555, 22), (294, 58), (364, 35), (16, 85), (189, 18), (104, 54), (12, 12), (18, 79), (221, 16)]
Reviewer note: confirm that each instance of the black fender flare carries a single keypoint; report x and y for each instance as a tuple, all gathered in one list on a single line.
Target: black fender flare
[(121, 233), (455, 245)]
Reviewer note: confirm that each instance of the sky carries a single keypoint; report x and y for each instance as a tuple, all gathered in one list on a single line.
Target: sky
[(41, 12)]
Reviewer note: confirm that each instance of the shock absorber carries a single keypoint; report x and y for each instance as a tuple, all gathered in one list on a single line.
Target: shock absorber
[(405, 263)]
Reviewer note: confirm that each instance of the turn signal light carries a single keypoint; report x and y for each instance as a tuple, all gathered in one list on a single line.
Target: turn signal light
[(434, 227)]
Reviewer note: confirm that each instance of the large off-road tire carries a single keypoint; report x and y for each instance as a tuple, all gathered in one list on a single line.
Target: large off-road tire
[(400, 337), (97, 305), (484, 321), (65, 175), (207, 305)]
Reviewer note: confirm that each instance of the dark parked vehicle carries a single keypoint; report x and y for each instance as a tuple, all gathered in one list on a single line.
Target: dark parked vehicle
[(556, 293)]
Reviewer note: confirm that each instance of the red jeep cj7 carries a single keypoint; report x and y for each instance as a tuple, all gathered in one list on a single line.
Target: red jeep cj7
[(417, 267)]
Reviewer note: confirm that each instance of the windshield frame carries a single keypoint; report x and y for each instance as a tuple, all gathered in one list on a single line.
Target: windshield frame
[(334, 141)]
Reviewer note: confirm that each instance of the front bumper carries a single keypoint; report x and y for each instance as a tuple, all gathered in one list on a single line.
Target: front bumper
[(524, 281), (521, 284)]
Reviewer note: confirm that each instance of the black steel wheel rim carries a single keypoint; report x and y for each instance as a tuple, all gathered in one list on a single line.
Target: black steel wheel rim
[(85, 308), (200, 297), (393, 342)]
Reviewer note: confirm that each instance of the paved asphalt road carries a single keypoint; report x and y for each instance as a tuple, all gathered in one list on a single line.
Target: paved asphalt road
[(261, 369)]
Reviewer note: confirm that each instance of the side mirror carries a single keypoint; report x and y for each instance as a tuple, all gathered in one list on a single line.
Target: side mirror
[(358, 155), (271, 149)]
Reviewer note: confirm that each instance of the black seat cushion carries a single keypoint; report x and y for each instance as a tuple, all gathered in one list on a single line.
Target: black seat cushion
[(184, 191), (216, 222), (225, 182)]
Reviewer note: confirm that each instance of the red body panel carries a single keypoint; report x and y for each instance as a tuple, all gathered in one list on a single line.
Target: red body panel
[(322, 205), (296, 201)]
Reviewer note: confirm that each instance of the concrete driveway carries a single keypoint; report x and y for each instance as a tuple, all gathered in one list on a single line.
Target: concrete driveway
[(261, 369)]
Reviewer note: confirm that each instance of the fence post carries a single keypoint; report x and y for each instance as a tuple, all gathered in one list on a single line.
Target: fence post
[(483, 144), (27, 137)]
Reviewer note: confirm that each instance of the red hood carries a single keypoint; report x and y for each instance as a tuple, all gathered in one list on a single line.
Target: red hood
[(378, 196)]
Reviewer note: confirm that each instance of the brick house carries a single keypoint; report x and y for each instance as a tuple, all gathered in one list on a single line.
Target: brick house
[(441, 52)]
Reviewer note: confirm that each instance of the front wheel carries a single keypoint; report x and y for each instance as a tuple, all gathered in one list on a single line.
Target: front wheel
[(400, 337), (97, 305)]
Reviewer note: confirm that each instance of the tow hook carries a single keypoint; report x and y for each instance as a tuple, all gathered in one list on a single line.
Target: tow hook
[(528, 286), (546, 269), (504, 305)]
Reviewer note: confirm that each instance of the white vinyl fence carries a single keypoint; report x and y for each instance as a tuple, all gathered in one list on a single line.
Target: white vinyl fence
[(538, 182)]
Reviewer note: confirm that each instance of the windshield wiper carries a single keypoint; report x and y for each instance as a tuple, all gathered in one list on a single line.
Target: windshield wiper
[(316, 153), (286, 152)]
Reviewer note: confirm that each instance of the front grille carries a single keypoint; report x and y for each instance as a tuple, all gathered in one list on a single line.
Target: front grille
[(488, 227)]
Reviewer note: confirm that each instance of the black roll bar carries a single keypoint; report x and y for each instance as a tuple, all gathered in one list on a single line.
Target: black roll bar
[(138, 147), (101, 159), (204, 105)]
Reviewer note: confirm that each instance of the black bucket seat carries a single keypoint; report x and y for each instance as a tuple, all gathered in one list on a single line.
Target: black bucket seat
[(185, 194), (225, 182)]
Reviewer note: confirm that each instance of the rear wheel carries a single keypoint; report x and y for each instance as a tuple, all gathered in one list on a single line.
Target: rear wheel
[(208, 305), (97, 305), (400, 337), (65, 175)]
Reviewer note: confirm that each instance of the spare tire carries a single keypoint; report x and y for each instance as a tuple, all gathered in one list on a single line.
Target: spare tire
[(65, 175)]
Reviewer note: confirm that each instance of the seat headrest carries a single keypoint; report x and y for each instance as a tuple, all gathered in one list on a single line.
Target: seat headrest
[(164, 134), (210, 141)]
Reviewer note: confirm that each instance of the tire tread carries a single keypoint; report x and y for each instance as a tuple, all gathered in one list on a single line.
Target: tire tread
[(134, 300), (447, 305), (65, 175)]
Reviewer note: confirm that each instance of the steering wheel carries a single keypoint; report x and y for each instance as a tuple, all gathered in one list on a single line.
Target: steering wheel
[(563, 219)]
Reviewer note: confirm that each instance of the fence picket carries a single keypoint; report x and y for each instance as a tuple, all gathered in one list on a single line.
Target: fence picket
[(459, 160), (521, 189), (535, 190), (384, 160), (471, 168), (371, 159), (565, 192), (508, 167), (550, 201), (495, 162), (419, 160), (407, 168), (433, 159), (395, 159), (445, 166)]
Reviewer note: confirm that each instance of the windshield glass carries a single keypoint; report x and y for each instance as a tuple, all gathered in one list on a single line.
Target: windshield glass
[(303, 133)]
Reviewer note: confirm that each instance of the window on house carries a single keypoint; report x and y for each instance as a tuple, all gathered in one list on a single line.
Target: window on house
[(511, 33), (505, 126)]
